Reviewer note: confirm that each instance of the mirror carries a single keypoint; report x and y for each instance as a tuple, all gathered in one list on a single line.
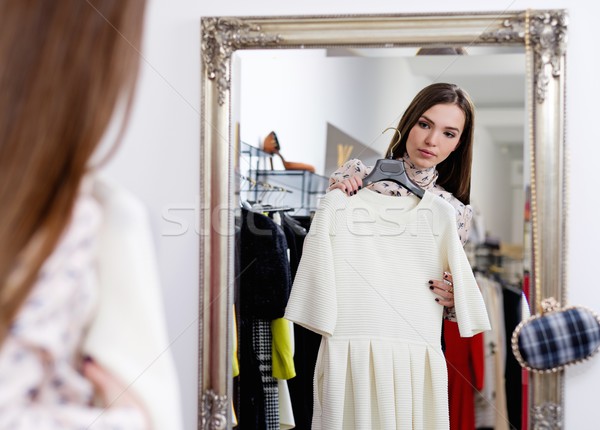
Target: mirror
[(259, 74)]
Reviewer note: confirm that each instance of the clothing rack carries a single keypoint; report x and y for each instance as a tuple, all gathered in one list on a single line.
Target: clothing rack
[(262, 185), (258, 190)]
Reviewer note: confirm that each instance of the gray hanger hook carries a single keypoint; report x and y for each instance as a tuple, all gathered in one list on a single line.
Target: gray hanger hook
[(391, 154)]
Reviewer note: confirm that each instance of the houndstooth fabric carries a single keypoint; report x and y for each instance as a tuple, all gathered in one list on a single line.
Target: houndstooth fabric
[(559, 338), (261, 343)]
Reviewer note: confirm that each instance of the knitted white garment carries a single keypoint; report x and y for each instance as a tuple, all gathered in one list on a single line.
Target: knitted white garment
[(363, 284), (128, 335)]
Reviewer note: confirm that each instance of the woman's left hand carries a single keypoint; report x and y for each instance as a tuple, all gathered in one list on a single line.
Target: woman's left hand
[(444, 290)]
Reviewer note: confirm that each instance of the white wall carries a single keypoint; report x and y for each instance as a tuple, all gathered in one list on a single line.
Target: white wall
[(160, 159), (297, 92), (490, 165)]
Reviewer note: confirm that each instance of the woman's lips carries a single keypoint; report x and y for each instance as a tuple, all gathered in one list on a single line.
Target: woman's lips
[(426, 153)]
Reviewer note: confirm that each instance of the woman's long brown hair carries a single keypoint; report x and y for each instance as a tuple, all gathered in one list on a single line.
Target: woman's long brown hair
[(454, 173), (65, 66)]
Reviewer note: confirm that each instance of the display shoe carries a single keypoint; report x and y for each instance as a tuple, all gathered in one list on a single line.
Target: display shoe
[(271, 146)]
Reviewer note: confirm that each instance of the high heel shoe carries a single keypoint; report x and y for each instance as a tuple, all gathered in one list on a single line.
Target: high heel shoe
[(271, 146)]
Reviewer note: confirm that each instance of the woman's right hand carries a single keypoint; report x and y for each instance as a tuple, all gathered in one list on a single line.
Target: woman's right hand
[(111, 390), (350, 185)]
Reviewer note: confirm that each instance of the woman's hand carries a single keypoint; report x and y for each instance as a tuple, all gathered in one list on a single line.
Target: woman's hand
[(444, 289), (350, 185), (111, 390)]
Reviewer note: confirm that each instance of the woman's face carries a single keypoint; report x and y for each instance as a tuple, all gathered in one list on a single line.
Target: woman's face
[(435, 135)]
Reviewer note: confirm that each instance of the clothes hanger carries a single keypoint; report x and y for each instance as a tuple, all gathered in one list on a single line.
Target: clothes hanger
[(244, 203), (262, 205), (388, 169), (294, 224)]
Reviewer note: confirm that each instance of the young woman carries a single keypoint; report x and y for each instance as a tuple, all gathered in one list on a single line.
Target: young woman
[(66, 65), (435, 139)]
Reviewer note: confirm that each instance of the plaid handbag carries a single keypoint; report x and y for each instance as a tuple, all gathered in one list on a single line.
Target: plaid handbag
[(557, 338)]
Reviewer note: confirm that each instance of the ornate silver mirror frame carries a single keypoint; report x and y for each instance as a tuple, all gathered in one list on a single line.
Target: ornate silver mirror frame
[(542, 32)]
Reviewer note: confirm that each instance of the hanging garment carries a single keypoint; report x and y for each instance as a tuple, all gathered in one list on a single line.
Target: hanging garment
[(512, 373), (264, 289), (282, 349), (306, 342), (362, 284), (261, 342), (265, 277), (250, 395), (490, 403), (282, 353), (465, 359)]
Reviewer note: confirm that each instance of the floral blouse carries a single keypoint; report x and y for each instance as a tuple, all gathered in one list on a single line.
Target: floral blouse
[(424, 178), (41, 386)]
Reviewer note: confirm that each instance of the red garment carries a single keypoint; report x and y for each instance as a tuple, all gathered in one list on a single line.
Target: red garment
[(465, 361)]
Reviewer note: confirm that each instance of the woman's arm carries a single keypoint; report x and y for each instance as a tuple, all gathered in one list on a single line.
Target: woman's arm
[(32, 398), (41, 386)]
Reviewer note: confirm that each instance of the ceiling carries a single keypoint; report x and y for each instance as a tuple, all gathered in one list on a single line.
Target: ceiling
[(494, 77)]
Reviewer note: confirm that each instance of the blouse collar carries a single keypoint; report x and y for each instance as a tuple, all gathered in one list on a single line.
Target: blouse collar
[(424, 178)]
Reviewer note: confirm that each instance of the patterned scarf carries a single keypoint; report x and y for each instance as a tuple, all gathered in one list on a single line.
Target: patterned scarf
[(424, 178)]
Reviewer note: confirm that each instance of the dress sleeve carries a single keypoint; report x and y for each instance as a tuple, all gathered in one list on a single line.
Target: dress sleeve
[(471, 313), (350, 168), (313, 300), (464, 215)]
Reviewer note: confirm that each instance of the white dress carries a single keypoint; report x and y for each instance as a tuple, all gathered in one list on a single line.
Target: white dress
[(362, 283)]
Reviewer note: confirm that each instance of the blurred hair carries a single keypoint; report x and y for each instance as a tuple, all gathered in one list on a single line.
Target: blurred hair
[(454, 173), (65, 66)]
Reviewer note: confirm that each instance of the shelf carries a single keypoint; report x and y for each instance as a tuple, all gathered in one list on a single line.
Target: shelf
[(299, 189), (295, 180), (253, 151), (306, 187)]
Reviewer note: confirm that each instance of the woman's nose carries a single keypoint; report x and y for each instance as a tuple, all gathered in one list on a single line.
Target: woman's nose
[(431, 138)]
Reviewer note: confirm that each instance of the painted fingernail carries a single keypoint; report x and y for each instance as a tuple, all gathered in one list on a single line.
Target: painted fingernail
[(431, 287), (431, 282), (437, 300), (87, 359), (360, 187)]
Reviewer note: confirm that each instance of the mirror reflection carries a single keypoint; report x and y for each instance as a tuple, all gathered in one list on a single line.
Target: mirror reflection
[(303, 119)]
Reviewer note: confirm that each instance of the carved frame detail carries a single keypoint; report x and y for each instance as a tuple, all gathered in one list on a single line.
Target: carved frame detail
[(213, 414), (548, 30), (220, 38), (547, 416)]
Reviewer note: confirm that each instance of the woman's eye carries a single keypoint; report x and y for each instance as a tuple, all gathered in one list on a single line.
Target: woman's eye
[(423, 124), (449, 135)]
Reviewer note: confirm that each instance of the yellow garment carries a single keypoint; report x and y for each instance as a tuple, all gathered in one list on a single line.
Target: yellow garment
[(235, 362), (283, 355)]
